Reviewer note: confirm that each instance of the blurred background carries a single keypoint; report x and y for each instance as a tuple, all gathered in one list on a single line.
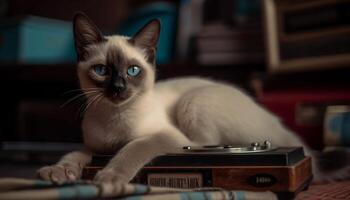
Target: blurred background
[(293, 57)]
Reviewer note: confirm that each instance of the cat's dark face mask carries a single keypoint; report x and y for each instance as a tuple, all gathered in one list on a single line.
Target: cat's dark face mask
[(116, 86), (116, 89)]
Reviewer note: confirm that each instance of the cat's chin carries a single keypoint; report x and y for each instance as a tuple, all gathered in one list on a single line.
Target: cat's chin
[(121, 101), (117, 101)]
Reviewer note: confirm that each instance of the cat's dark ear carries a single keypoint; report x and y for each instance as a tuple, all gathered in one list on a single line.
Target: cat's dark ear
[(85, 33), (147, 38)]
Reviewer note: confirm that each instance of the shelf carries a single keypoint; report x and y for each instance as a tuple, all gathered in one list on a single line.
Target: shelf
[(322, 79)]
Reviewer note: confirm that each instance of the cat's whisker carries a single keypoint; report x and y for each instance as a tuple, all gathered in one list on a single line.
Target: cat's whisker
[(91, 102), (84, 107), (80, 109), (88, 90), (100, 97), (77, 97), (80, 90), (71, 100)]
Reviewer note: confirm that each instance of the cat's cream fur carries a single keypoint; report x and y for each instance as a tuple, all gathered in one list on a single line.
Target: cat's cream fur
[(163, 118)]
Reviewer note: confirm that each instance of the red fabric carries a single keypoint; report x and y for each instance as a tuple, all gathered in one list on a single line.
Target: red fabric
[(285, 102)]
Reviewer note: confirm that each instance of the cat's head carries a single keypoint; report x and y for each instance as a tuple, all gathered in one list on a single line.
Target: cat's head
[(117, 69)]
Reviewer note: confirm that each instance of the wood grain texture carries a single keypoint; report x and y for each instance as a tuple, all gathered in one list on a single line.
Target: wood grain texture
[(288, 178)]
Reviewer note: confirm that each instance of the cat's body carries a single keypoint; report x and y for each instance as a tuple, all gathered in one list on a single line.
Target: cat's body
[(137, 119), (202, 110)]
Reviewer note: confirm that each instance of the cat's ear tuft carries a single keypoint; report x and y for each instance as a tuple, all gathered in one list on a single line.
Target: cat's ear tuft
[(85, 33), (148, 36)]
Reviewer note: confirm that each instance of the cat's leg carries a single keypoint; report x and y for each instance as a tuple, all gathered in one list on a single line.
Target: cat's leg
[(69, 168), (134, 155)]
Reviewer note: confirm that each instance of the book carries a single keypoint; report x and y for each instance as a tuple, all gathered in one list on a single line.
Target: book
[(337, 125), (222, 58)]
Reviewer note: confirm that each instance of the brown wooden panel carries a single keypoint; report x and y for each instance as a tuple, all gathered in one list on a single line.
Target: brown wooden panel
[(288, 178)]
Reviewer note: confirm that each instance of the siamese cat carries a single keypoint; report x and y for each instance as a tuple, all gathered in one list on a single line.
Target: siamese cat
[(136, 119)]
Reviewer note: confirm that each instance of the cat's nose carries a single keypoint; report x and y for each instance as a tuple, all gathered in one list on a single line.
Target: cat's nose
[(119, 86)]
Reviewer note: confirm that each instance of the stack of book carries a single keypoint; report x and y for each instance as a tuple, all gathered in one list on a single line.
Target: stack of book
[(222, 44), (222, 32)]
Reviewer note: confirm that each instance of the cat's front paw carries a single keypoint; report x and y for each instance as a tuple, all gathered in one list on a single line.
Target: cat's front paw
[(58, 173), (109, 175)]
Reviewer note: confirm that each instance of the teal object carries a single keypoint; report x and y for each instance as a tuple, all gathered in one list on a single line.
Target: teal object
[(141, 189), (167, 13), (340, 125), (78, 192), (36, 40), (194, 196)]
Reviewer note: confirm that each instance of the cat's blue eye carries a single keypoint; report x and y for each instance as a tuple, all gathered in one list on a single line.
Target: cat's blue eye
[(100, 70), (134, 70)]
